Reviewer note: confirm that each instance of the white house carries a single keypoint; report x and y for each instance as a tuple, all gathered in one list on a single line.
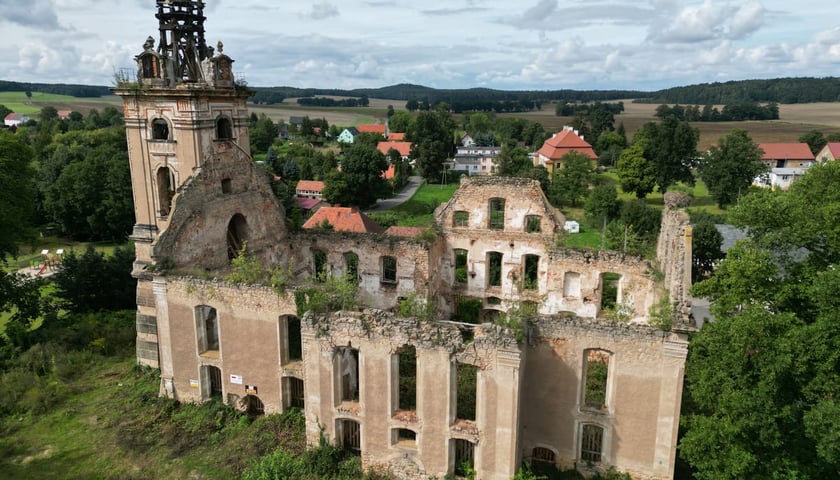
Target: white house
[(15, 119), (348, 135)]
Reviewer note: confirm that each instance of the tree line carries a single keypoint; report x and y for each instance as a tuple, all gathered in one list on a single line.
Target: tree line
[(72, 90), (732, 112), (362, 101), (778, 90)]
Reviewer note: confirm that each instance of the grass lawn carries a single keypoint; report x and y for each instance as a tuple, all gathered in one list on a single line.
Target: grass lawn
[(419, 209), (702, 200)]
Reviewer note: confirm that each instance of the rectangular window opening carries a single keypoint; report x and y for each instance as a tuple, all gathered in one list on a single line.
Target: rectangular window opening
[(466, 381), (460, 219), (596, 374), (591, 443), (530, 272), (497, 214), (348, 374), (533, 224), (464, 457), (389, 270), (351, 436), (407, 371), (461, 256), (494, 269)]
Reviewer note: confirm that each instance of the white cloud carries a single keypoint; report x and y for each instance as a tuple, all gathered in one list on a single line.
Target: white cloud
[(36, 14), (747, 19), (321, 11)]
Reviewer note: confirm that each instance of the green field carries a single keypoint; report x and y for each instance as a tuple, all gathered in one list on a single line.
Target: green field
[(18, 103)]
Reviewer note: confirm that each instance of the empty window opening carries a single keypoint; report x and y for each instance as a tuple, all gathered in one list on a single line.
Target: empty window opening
[(294, 387), (211, 382), (571, 284), (533, 224), (347, 360), (530, 272), (497, 214), (407, 371), (464, 457), (252, 405), (609, 290), (160, 129), (404, 437), (591, 443), (351, 267), (466, 381), (237, 234), (460, 219), (150, 66), (597, 364), (224, 129), (207, 328), (166, 190), (461, 256), (227, 187), (319, 265), (494, 269), (290, 331), (542, 454), (494, 301), (351, 436), (389, 270)]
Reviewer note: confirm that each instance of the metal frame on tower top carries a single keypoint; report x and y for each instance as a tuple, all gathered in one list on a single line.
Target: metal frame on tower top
[(182, 37)]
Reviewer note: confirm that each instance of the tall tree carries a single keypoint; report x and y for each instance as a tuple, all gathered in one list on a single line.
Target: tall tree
[(571, 181), (431, 137), (763, 379), (815, 140), (730, 167), (17, 195), (706, 242), (360, 181), (512, 161), (636, 174), (672, 148)]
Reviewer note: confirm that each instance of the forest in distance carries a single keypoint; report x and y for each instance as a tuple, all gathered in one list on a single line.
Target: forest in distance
[(788, 90)]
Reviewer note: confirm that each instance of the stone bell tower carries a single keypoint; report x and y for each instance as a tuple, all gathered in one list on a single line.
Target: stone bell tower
[(182, 110)]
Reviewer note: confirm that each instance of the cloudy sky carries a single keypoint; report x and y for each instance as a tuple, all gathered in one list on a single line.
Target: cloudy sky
[(505, 44)]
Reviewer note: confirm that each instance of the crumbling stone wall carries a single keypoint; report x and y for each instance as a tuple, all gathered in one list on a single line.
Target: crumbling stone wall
[(644, 385), (413, 263), (378, 335), (196, 236), (674, 254)]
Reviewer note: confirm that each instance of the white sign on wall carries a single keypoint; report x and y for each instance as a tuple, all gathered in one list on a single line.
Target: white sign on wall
[(237, 379)]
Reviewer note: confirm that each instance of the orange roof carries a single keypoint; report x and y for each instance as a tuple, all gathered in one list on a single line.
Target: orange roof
[(403, 147), (786, 151), (396, 136), (563, 142), (371, 128), (343, 219), (389, 174), (396, 231), (311, 185)]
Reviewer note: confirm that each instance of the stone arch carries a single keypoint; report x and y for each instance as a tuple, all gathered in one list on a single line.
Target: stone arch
[(237, 235), (165, 190), (224, 128)]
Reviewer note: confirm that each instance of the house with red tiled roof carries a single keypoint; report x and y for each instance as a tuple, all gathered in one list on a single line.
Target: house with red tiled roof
[(403, 147), (64, 114), (309, 189), (396, 136), (381, 129), (562, 143), (343, 219), (15, 119), (829, 153), (786, 155)]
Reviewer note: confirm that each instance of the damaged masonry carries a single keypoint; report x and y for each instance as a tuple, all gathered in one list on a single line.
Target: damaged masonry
[(424, 395)]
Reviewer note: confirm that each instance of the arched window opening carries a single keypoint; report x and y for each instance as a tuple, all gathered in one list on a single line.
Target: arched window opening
[(404, 437), (237, 234), (351, 267), (166, 190), (542, 454), (224, 129), (160, 129), (252, 405)]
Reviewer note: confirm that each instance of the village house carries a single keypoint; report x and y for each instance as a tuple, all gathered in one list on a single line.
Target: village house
[(309, 189), (474, 160), (787, 162), (566, 141), (829, 153), (348, 135), (516, 348), (15, 119)]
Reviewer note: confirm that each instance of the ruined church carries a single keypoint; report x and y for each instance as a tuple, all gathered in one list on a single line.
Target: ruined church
[(513, 359)]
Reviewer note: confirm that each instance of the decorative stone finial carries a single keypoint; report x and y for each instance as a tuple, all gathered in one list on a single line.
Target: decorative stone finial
[(220, 47), (149, 45)]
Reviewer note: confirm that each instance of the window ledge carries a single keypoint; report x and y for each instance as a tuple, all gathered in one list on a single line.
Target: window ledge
[(212, 354), (349, 408), (406, 416)]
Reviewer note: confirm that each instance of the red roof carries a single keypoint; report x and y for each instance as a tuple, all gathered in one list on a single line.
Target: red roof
[(310, 185), (343, 219), (389, 174), (563, 142), (786, 151), (396, 231), (403, 147), (308, 203), (834, 148), (371, 128), (396, 136)]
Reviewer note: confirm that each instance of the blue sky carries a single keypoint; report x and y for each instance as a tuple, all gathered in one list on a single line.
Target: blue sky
[(529, 44)]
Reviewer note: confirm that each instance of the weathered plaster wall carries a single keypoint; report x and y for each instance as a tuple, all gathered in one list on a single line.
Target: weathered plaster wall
[(674, 253)]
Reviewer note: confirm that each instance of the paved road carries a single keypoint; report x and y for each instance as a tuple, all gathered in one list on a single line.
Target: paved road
[(402, 197)]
